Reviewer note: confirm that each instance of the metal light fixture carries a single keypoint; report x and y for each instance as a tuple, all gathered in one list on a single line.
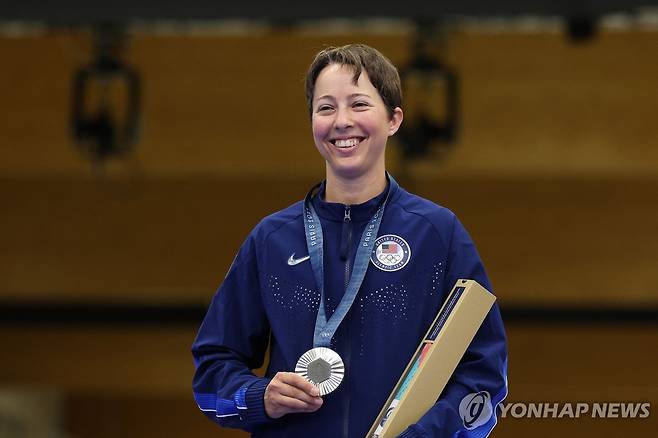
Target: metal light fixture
[(431, 100), (106, 100)]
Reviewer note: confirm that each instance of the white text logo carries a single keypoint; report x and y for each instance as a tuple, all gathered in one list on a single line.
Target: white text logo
[(575, 410)]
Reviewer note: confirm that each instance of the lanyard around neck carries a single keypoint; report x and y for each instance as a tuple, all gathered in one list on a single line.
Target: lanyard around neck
[(325, 329)]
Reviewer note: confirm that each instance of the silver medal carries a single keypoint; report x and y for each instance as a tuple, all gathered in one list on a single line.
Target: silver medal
[(323, 367)]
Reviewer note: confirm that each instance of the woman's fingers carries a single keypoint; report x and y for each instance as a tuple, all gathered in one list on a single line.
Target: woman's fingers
[(288, 393), (300, 383)]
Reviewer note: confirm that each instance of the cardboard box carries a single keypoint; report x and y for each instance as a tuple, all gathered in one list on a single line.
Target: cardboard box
[(435, 359)]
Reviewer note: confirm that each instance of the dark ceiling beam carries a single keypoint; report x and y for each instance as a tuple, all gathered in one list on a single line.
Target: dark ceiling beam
[(85, 11)]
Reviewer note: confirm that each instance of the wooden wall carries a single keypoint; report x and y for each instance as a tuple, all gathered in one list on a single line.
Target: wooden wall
[(135, 382), (555, 174)]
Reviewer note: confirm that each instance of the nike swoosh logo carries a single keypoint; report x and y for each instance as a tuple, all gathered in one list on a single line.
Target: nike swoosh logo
[(292, 261)]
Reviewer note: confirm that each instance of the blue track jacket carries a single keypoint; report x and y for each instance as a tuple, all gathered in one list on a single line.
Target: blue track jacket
[(266, 302)]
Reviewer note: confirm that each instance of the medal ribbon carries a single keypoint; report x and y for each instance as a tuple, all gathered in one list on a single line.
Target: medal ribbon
[(325, 330)]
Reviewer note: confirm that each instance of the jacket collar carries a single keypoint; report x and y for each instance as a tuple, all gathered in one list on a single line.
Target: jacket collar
[(335, 211)]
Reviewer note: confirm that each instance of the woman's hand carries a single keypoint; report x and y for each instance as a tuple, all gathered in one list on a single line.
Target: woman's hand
[(288, 393)]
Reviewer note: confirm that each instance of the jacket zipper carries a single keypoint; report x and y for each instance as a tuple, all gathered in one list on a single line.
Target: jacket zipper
[(346, 244), (347, 222)]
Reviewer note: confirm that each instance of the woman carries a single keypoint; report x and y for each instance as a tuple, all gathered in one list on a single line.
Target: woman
[(360, 267)]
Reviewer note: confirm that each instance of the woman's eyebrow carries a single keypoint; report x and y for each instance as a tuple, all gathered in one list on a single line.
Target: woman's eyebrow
[(326, 96), (351, 96)]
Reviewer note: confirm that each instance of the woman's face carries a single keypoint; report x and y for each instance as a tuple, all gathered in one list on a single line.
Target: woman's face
[(351, 123)]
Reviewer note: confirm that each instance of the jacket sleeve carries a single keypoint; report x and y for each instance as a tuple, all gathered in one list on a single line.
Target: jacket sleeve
[(479, 382), (232, 341)]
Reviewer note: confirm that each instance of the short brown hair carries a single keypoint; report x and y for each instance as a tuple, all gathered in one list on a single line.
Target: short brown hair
[(381, 71)]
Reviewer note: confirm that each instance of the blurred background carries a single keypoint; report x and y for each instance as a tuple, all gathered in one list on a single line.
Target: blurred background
[(140, 143)]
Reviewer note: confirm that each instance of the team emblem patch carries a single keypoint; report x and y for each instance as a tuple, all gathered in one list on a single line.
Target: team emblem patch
[(391, 253)]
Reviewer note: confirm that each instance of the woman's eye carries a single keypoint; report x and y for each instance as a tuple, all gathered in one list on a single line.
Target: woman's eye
[(323, 108), (361, 104)]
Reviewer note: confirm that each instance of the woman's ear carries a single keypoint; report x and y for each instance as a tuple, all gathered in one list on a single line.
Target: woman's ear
[(395, 122)]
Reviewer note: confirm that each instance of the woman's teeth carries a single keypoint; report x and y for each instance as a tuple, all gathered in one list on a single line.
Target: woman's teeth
[(346, 143)]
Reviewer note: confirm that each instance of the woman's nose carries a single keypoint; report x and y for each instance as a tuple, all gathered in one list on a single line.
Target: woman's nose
[(343, 119)]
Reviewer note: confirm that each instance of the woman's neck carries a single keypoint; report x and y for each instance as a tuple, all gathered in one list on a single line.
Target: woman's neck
[(354, 190)]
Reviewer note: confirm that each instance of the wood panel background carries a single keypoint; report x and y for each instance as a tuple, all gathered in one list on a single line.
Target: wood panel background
[(555, 174), (544, 241), (234, 105), (133, 382)]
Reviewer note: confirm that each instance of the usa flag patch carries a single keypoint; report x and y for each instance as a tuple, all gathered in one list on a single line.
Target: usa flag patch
[(391, 253)]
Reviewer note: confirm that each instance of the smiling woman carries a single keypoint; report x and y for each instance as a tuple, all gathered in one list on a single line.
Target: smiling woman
[(309, 283), (351, 126)]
